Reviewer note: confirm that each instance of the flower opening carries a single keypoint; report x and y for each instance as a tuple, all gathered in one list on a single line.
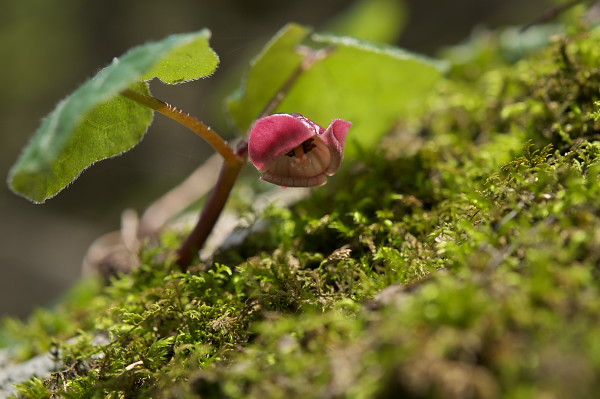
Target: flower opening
[(293, 151)]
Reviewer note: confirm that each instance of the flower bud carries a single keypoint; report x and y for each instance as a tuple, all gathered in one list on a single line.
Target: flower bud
[(293, 151)]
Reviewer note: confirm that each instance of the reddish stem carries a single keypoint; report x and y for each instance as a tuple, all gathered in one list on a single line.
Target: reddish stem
[(212, 209)]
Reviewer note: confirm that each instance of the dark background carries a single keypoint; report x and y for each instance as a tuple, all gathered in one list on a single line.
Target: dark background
[(48, 48)]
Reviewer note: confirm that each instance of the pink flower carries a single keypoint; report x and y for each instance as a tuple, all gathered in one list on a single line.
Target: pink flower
[(293, 151)]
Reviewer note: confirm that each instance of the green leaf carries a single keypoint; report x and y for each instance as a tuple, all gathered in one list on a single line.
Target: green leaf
[(49, 165), (380, 21), (95, 122), (186, 62), (371, 85), (268, 72)]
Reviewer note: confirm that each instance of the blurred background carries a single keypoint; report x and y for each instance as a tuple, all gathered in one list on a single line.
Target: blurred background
[(47, 49)]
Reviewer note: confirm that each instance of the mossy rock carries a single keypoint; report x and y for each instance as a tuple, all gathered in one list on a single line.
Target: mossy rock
[(460, 259)]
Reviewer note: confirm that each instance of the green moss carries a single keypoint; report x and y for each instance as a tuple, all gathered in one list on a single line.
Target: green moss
[(458, 260)]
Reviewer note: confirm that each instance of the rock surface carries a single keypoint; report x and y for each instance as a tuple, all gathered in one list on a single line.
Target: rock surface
[(14, 373)]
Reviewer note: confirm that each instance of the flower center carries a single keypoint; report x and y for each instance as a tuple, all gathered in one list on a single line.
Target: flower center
[(304, 165), (302, 149)]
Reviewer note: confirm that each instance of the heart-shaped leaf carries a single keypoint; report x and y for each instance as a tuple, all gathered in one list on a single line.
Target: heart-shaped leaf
[(96, 123), (373, 86)]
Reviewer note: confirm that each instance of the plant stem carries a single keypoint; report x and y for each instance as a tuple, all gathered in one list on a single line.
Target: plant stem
[(210, 214), (233, 162), (187, 120), (233, 159), (310, 58)]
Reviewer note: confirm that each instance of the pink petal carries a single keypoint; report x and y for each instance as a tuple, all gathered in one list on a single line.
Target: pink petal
[(273, 136), (291, 150), (335, 139), (286, 181)]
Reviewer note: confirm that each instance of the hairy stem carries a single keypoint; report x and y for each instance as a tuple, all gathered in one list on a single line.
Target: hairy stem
[(233, 162), (187, 120), (210, 214)]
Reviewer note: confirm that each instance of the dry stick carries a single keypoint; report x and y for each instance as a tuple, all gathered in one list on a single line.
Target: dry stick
[(176, 200)]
